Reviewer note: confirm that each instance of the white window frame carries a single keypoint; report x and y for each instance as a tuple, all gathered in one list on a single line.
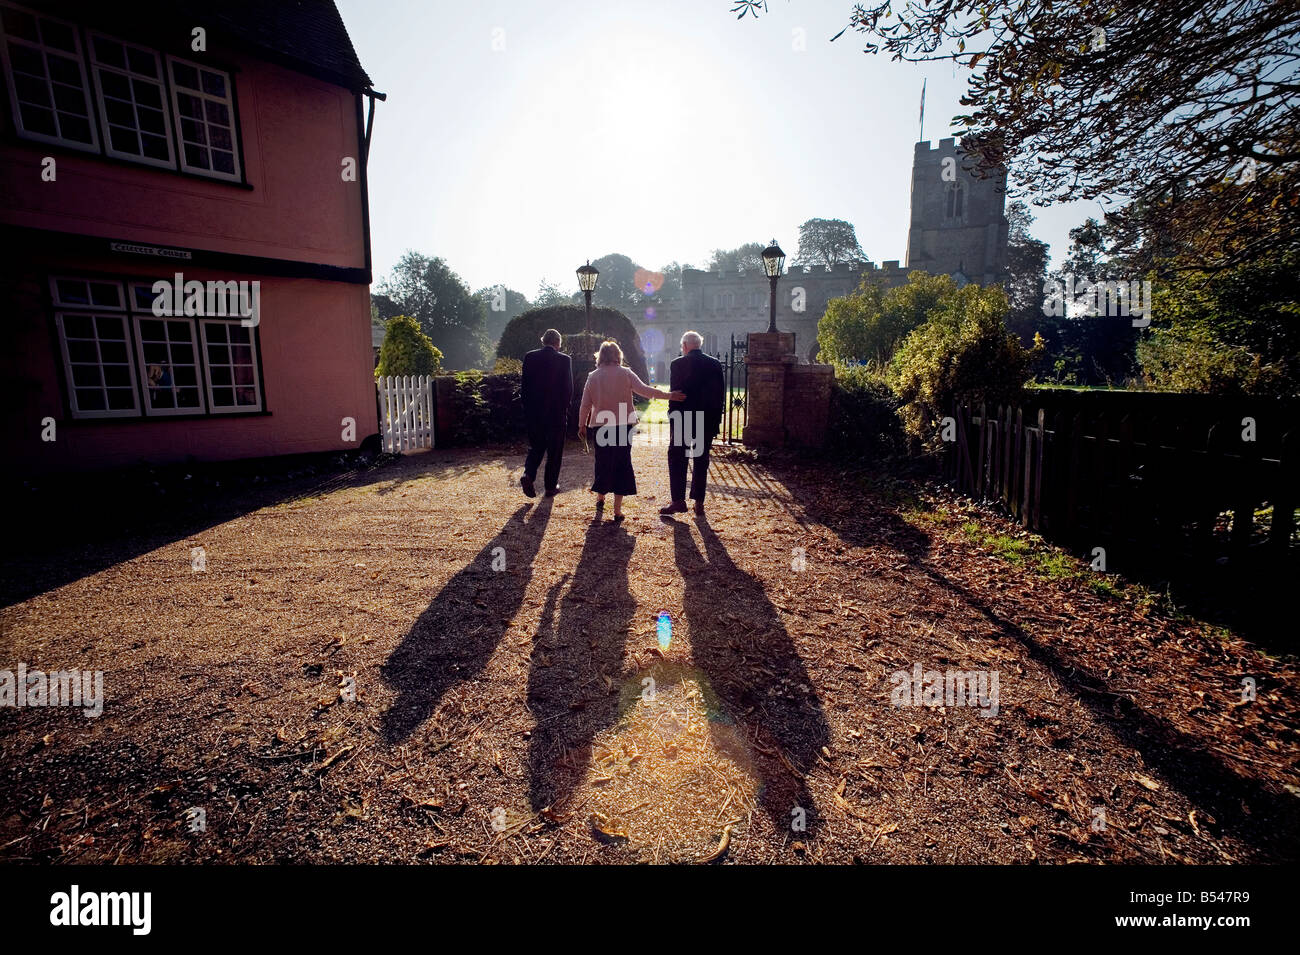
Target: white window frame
[(149, 410), (228, 101), (213, 407), (131, 76), (19, 128), (86, 306), (92, 315)]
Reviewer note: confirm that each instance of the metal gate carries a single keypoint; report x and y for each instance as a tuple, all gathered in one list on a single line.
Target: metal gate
[(735, 411)]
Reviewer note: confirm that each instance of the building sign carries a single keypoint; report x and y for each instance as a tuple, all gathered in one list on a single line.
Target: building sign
[(150, 250)]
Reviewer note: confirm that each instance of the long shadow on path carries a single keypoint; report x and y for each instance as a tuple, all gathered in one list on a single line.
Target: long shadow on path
[(754, 668), (567, 690), (454, 638)]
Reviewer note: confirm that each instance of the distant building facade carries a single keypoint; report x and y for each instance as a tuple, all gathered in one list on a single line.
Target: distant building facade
[(957, 228)]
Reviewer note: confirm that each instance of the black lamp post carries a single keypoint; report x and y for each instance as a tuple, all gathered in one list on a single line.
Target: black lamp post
[(773, 259), (587, 276)]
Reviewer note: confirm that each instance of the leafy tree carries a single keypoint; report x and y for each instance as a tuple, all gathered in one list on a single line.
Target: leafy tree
[(548, 293), (868, 325), (1026, 272), (1089, 349), (849, 331), (963, 350), (748, 257), (617, 286), (1234, 332), (828, 242), (383, 306), (431, 293), (672, 273), (1155, 101), (500, 305), (1146, 99), (407, 350)]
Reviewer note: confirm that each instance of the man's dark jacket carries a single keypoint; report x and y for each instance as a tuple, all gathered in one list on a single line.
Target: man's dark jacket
[(700, 377), (546, 390)]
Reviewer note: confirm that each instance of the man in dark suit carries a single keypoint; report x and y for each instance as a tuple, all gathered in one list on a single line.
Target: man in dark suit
[(546, 391), (694, 421)]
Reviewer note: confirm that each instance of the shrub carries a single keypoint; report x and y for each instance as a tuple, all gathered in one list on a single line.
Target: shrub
[(508, 366), (523, 333), (963, 350), (864, 416), (484, 408), (470, 408), (868, 325), (407, 350)]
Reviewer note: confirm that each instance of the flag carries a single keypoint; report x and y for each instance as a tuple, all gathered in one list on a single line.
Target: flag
[(922, 118)]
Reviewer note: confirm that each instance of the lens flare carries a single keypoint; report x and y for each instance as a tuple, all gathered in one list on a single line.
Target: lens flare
[(649, 282), (650, 314), (665, 629)]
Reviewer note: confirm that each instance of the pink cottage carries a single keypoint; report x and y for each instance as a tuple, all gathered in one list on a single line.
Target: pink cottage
[(183, 201)]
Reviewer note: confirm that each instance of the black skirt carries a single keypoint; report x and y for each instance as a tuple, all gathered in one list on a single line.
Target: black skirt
[(614, 474)]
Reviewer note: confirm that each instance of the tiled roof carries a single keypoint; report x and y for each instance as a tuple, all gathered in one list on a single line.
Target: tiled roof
[(306, 35), (308, 31)]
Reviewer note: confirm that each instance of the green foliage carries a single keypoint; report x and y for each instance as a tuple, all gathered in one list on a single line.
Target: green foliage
[(1236, 332), (469, 408), (828, 242), (508, 366), (548, 294), (864, 416), (500, 304), (748, 257), (524, 332), (1026, 273), (407, 350), (453, 318), (1088, 350), (868, 325), (963, 349), (484, 408)]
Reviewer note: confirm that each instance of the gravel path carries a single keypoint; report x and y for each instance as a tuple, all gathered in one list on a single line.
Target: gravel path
[(415, 663)]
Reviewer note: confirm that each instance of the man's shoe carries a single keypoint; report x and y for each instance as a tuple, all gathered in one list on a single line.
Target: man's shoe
[(530, 489), (552, 491), (699, 508), (676, 507)]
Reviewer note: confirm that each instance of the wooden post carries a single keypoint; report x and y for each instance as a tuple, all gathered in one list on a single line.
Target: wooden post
[(1284, 498)]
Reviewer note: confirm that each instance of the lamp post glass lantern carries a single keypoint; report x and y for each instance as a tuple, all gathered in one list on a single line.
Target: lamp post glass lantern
[(587, 276), (773, 259)]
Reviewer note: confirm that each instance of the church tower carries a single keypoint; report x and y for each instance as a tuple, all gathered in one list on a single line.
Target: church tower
[(958, 227)]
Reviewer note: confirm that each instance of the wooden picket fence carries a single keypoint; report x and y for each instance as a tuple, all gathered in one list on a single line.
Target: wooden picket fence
[(1152, 475), (406, 412)]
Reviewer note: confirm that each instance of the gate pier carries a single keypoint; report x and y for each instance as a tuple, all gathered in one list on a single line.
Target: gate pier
[(788, 403)]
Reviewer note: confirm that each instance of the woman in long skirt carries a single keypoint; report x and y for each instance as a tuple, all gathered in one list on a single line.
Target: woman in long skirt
[(607, 413)]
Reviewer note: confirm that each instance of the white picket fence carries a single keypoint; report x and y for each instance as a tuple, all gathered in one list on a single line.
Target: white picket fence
[(406, 412)]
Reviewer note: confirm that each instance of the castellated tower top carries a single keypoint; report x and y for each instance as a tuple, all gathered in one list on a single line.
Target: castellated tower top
[(958, 227)]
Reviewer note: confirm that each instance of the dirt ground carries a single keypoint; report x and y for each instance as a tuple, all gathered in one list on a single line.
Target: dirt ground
[(415, 663)]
